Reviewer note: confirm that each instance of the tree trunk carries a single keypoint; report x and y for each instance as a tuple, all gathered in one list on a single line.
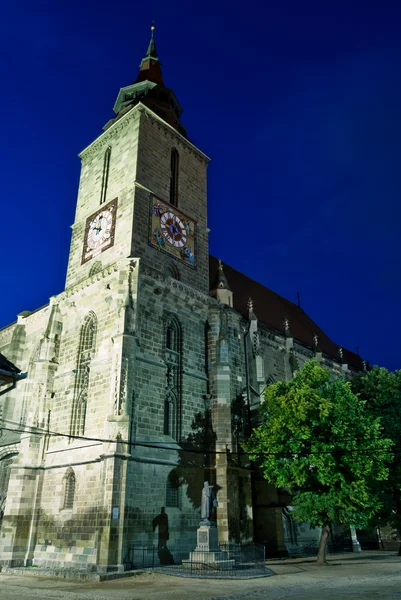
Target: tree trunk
[(321, 555), (399, 551)]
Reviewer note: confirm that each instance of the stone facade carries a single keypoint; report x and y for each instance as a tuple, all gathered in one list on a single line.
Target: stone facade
[(141, 384)]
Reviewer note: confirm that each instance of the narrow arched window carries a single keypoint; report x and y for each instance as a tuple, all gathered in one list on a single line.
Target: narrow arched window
[(170, 414), (105, 175), (172, 490), (173, 336), (172, 398), (69, 489), (172, 271), (174, 169), (85, 354)]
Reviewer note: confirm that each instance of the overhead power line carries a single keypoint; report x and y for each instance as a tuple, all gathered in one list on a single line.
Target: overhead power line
[(170, 446)]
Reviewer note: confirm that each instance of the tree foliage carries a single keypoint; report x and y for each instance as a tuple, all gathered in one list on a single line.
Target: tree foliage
[(380, 390), (317, 439)]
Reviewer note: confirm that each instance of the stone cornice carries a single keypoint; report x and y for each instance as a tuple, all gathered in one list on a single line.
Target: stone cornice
[(173, 133), (302, 350), (123, 122), (104, 137), (176, 286), (88, 281)]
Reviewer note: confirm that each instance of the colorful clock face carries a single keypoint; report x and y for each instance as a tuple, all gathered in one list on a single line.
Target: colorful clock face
[(99, 231), (172, 232), (173, 229)]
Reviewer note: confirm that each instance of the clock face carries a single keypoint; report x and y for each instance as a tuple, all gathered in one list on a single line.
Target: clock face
[(99, 231), (172, 232), (173, 229)]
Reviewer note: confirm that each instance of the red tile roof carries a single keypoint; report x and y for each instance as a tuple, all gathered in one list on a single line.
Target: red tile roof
[(272, 309)]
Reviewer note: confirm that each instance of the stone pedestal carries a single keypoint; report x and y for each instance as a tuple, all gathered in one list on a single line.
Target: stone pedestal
[(356, 547), (207, 552)]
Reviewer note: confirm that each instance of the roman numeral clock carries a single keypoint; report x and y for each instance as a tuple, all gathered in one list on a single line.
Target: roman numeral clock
[(99, 231), (172, 232)]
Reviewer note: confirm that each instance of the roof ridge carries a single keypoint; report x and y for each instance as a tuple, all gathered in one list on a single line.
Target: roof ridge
[(258, 282)]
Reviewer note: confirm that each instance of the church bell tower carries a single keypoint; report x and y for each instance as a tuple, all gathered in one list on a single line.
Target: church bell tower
[(142, 189)]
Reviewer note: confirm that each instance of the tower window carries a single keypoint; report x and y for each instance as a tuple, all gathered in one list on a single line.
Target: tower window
[(174, 167), (105, 176), (69, 489)]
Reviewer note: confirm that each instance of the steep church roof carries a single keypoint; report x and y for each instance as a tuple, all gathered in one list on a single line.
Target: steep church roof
[(272, 310)]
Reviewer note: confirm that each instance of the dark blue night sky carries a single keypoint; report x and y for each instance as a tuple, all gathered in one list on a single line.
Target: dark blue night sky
[(299, 106)]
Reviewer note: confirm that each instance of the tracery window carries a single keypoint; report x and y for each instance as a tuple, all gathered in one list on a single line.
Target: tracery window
[(85, 354), (5, 466), (69, 489), (174, 169), (172, 399)]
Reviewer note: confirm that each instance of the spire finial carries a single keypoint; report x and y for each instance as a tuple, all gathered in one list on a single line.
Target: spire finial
[(151, 51)]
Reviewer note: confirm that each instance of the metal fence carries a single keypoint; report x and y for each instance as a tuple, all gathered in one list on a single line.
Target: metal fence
[(310, 546), (233, 560)]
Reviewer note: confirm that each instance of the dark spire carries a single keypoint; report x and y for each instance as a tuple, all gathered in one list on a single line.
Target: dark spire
[(151, 52), (150, 67), (149, 90)]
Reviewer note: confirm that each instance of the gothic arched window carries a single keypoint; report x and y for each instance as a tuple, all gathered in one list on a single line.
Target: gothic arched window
[(69, 489), (173, 335), (172, 490), (174, 168), (172, 399), (85, 354), (95, 268), (105, 176), (172, 271), (5, 466), (170, 414)]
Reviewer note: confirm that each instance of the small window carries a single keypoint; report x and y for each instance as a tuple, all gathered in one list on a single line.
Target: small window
[(69, 489), (170, 415), (172, 491), (105, 175), (172, 271), (174, 167)]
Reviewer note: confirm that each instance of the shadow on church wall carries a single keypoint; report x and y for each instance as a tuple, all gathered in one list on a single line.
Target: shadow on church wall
[(161, 523), (197, 458)]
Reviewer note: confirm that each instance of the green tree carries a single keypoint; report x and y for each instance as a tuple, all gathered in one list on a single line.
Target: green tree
[(317, 439), (381, 392)]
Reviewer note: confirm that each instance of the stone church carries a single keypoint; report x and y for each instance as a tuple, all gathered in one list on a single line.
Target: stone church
[(145, 374)]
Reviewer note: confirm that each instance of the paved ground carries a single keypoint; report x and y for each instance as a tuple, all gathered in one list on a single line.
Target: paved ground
[(364, 576)]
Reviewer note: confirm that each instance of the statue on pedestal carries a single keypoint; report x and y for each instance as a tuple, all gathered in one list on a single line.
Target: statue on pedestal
[(208, 500)]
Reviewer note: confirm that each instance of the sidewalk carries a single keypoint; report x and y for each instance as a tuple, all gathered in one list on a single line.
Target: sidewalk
[(365, 576)]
